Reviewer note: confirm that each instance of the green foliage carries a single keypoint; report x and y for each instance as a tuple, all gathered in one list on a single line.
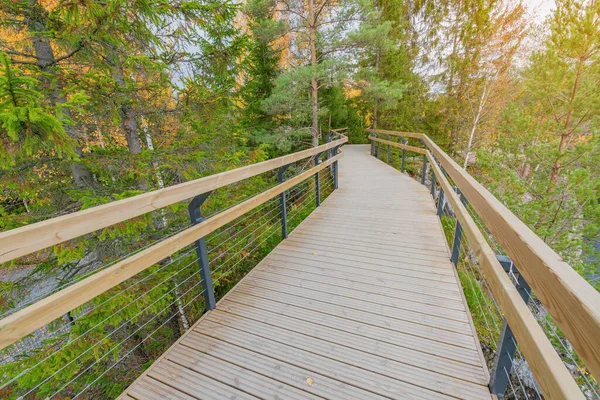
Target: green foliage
[(28, 127)]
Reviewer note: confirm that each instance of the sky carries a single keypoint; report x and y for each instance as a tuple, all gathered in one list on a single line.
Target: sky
[(540, 8)]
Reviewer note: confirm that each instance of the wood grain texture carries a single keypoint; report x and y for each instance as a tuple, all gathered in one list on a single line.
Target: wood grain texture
[(553, 377), (28, 239), (343, 322), (41, 313)]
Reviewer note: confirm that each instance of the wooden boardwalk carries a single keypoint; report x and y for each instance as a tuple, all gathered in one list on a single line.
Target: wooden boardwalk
[(360, 302)]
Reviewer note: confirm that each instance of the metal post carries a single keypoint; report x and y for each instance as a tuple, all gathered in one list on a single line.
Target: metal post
[(282, 201), (335, 169), (505, 353), (372, 147), (389, 147), (424, 169), (378, 148), (403, 152), (433, 185), (440, 207), (317, 159), (202, 252), (457, 235)]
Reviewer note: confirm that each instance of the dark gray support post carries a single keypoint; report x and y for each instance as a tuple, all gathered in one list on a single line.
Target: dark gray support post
[(457, 235), (433, 184), (424, 169), (440, 207), (404, 141), (372, 146), (389, 147), (317, 159), (378, 148), (335, 169), (282, 199), (202, 252), (505, 353)]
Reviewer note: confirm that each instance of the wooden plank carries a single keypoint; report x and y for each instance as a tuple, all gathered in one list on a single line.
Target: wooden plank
[(28, 239), (265, 365), (41, 313), (290, 331), (406, 303), (385, 367), (416, 343), (279, 302), (551, 374), (151, 389), (234, 375), (350, 373), (287, 293), (353, 300), (365, 289), (374, 244), (193, 383), (379, 266), (429, 258), (322, 266)]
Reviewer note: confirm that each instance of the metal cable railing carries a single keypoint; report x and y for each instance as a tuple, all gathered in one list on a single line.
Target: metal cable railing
[(511, 375), (101, 345)]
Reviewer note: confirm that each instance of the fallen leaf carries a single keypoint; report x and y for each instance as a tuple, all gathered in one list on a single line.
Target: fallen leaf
[(310, 381)]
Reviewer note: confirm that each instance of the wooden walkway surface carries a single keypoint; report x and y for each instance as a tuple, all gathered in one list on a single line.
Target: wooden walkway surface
[(360, 302)]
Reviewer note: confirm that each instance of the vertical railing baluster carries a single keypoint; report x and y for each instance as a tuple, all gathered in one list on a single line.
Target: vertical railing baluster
[(202, 252), (507, 347), (440, 207), (424, 169), (335, 168), (388, 149), (404, 141), (282, 200), (433, 185), (372, 145), (457, 235), (317, 160)]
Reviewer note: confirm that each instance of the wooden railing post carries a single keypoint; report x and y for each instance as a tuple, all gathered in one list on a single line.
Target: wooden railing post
[(317, 160), (507, 345), (202, 252), (282, 201)]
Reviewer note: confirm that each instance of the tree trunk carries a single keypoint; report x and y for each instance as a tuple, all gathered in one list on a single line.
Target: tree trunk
[(314, 92), (128, 116), (46, 62), (161, 223), (482, 101), (566, 134)]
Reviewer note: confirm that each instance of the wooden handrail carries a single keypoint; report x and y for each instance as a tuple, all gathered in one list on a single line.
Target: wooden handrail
[(399, 145), (41, 313), (31, 238), (551, 374), (571, 301)]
